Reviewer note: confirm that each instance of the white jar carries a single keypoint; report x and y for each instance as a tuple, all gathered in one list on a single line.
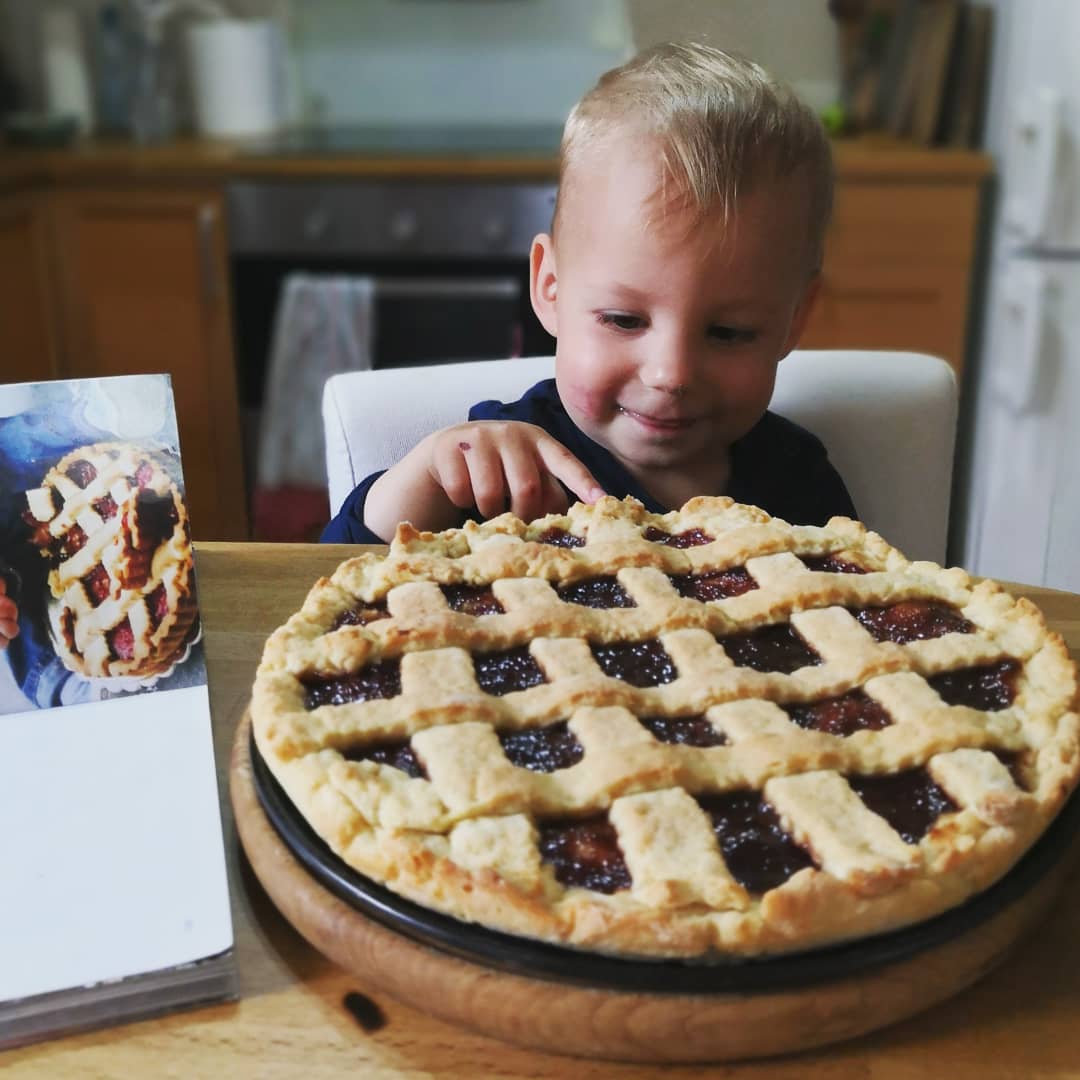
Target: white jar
[(236, 76), (67, 80)]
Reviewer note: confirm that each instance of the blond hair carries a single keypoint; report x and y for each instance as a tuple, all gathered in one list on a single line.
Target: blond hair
[(722, 122)]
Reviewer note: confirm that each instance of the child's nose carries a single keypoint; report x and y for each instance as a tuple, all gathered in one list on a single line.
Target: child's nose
[(669, 367)]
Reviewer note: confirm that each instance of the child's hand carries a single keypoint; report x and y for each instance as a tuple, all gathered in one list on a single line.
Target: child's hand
[(9, 616), (506, 465), (493, 465)]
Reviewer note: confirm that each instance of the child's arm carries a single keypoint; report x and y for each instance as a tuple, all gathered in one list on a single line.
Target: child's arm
[(9, 616), (493, 465)]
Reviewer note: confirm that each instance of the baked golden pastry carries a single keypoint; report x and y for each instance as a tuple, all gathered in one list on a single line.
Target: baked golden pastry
[(702, 734), (110, 519)]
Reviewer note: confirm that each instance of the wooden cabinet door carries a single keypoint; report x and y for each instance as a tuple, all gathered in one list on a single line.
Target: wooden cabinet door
[(145, 289), (28, 341), (897, 274)]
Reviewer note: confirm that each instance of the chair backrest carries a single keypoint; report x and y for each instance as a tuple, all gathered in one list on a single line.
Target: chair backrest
[(888, 420)]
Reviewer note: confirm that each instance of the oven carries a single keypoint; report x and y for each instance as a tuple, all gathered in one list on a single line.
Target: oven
[(448, 263)]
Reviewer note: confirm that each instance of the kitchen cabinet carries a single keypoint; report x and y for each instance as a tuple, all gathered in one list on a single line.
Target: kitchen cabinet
[(898, 261), (143, 287), (29, 342)]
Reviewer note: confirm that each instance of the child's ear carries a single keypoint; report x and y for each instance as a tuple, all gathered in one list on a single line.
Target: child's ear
[(802, 313), (542, 282)]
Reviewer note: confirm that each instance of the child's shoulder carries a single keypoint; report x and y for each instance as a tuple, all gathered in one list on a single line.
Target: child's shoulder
[(538, 403)]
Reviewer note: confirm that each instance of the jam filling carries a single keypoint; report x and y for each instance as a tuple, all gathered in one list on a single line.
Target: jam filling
[(689, 538), (684, 730), (397, 752), (770, 648), (988, 687), (472, 599), (714, 585), (143, 474), (156, 516), (96, 584), (640, 663), (105, 507), (67, 629), (596, 592), (81, 473), (585, 853), (757, 851), (121, 641), (501, 673), (362, 615), (72, 543), (844, 715), (560, 538), (830, 564), (157, 605), (909, 801), (912, 620), (545, 749), (381, 680)]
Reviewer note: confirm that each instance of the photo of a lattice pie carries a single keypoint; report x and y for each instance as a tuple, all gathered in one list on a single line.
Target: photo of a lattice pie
[(704, 734), (110, 520)]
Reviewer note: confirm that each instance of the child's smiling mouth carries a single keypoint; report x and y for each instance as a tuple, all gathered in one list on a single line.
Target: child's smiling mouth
[(668, 424)]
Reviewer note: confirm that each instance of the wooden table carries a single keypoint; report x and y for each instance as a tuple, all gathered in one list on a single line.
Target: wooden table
[(1023, 1020)]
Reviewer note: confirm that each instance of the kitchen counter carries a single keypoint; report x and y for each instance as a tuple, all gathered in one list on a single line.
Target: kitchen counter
[(208, 160), (292, 1018)]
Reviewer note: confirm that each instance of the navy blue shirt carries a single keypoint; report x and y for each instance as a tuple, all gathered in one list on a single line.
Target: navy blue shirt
[(776, 465)]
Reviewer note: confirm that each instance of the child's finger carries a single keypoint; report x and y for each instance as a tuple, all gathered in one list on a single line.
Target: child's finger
[(451, 472), (555, 500), (567, 468), (524, 480), (486, 477)]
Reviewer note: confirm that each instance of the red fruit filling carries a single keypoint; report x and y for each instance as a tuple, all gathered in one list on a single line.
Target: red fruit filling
[(585, 853), (640, 663)]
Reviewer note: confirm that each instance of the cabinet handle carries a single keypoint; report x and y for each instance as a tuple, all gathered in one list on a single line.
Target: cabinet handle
[(211, 279)]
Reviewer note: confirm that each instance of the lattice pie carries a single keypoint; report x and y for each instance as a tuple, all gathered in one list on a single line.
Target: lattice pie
[(692, 735), (110, 520)]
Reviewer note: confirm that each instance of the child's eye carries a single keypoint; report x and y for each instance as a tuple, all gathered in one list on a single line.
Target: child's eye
[(619, 321), (730, 335)]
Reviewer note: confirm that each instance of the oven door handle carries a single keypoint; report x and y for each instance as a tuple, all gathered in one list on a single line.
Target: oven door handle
[(447, 288)]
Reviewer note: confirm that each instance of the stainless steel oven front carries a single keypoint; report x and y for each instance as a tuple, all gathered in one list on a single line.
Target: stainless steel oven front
[(448, 262)]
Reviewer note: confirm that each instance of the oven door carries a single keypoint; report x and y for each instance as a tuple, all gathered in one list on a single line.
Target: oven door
[(422, 319)]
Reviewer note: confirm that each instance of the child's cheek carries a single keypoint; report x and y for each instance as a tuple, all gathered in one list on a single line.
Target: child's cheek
[(591, 403)]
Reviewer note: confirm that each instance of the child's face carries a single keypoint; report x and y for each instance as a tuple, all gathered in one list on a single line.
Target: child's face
[(669, 331)]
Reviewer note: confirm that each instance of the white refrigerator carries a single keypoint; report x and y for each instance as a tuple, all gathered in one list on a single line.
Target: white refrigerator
[(1021, 521)]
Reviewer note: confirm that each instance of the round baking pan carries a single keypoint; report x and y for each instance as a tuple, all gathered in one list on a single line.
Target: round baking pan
[(522, 956)]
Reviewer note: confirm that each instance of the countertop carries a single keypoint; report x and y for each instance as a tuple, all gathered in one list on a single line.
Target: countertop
[(291, 1019), (866, 159)]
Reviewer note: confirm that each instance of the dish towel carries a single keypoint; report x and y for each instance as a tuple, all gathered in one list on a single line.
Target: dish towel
[(324, 324)]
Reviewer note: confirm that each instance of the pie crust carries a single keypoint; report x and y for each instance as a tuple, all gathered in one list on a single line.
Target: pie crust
[(710, 798), (111, 521)]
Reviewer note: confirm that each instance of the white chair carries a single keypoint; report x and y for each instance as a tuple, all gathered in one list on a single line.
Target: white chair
[(888, 420)]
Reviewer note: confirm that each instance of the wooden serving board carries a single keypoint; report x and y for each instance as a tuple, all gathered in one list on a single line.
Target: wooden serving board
[(602, 1023)]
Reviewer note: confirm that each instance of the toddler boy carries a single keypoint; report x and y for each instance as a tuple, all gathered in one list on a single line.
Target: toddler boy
[(682, 265)]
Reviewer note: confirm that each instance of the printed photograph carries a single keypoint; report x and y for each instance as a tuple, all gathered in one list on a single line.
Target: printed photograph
[(97, 577)]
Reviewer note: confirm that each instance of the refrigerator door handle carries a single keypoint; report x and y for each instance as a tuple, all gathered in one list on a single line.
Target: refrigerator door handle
[(1037, 137), (1025, 306)]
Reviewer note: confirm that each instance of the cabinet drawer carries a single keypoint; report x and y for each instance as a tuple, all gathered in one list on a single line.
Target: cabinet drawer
[(902, 224)]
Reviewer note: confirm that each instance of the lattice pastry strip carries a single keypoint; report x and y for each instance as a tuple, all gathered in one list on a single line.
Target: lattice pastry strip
[(693, 734)]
